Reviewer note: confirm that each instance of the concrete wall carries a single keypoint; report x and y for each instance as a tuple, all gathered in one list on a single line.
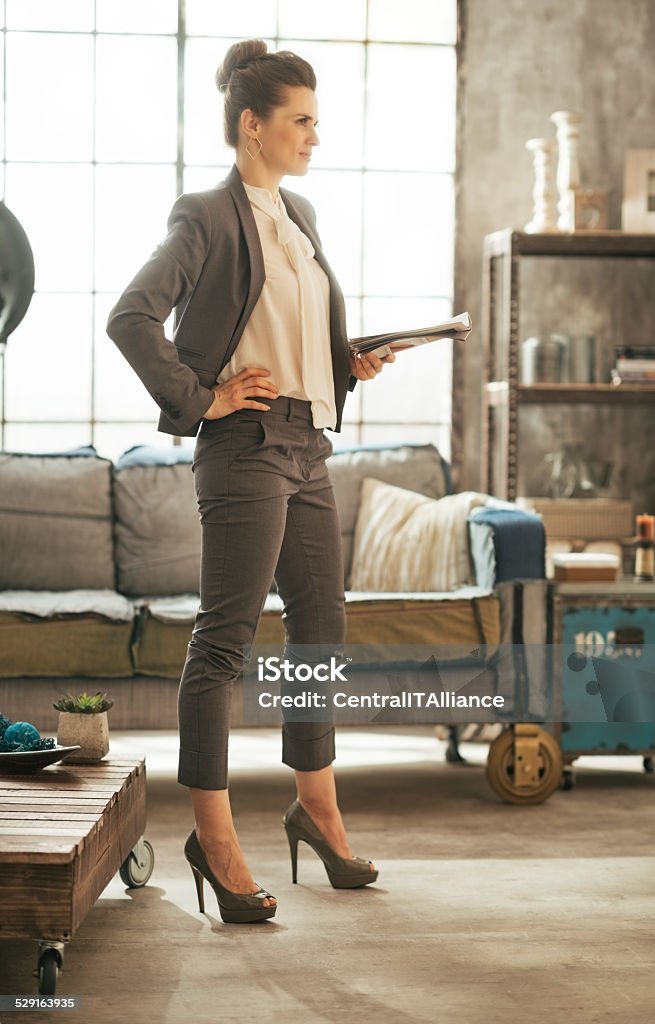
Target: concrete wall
[(521, 60)]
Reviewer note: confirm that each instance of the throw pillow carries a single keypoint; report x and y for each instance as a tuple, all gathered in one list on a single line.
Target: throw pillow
[(407, 542), (157, 527), (419, 467), (56, 521)]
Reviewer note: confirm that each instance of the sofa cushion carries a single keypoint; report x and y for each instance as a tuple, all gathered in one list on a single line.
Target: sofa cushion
[(71, 633), (417, 467), (55, 521), (450, 621), (407, 542), (157, 528)]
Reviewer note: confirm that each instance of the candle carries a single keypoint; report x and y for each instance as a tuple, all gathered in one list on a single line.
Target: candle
[(646, 527)]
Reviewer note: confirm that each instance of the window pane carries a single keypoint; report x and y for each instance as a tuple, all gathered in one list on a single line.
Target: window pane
[(253, 19), (132, 207), (438, 435), (54, 204), (46, 437), (419, 21), (136, 108), (354, 317), (417, 386), (347, 437), (408, 234), (2, 100), (48, 360), (196, 179), (340, 99), (412, 127), (112, 439), (49, 114), (142, 16), (71, 16), (203, 108), (337, 198), (119, 393), (382, 314), (340, 19)]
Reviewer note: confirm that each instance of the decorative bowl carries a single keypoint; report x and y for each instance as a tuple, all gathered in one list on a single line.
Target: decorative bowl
[(31, 760)]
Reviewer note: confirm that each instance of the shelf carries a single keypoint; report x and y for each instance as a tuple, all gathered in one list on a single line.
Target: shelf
[(584, 243), (532, 393)]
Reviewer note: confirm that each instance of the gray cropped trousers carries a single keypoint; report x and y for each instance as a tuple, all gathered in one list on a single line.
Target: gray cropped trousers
[(267, 512)]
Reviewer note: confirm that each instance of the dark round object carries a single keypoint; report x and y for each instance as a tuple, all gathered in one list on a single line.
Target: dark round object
[(576, 661), (48, 971), (16, 273)]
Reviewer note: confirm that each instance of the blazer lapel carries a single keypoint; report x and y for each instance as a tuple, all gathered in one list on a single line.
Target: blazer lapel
[(255, 254)]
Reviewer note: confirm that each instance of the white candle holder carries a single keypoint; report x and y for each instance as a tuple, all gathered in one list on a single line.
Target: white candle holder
[(567, 123), (543, 194)]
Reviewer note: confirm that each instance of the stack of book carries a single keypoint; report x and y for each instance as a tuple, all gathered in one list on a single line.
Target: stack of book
[(634, 364)]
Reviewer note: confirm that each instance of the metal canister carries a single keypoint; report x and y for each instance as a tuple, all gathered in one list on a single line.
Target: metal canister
[(543, 359), (581, 362)]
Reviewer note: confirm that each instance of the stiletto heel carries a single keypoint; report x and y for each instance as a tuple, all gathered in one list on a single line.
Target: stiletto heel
[(198, 879), (235, 907), (343, 872), (293, 847)]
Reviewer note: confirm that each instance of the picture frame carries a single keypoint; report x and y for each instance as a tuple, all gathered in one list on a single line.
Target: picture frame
[(638, 208), (589, 209)]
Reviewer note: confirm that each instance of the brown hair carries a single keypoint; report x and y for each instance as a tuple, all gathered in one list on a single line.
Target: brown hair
[(252, 78)]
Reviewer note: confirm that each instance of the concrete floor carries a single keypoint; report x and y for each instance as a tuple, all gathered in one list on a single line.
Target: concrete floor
[(483, 912)]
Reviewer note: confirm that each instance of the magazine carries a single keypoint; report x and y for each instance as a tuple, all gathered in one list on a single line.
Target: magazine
[(458, 329)]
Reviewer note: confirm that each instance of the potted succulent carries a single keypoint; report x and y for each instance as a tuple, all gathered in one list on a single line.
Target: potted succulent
[(83, 722)]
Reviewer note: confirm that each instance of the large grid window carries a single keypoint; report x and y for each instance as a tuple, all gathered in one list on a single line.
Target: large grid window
[(110, 112)]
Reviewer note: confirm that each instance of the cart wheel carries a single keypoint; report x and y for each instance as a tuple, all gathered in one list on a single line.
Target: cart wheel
[(568, 778), (649, 765), (137, 868), (48, 970), (500, 769)]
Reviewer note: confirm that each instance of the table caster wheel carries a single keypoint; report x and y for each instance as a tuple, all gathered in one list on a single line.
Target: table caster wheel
[(136, 869), (649, 765), (504, 763), (49, 965)]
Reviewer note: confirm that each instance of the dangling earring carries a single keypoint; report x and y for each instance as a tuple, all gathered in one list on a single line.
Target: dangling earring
[(258, 151)]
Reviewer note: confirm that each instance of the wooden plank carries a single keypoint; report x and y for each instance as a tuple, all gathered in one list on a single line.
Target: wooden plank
[(48, 815), (37, 850), (586, 243), (590, 393), (57, 831)]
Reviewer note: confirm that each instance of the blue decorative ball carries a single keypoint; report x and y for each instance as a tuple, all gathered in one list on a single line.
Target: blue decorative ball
[(22, 736)]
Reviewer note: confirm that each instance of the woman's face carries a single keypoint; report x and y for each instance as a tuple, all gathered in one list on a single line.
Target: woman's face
[(289, 135)]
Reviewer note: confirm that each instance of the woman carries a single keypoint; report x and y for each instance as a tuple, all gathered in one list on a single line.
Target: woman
[(260, 366)]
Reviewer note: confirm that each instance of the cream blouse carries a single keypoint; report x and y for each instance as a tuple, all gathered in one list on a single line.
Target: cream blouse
[(289, 329)]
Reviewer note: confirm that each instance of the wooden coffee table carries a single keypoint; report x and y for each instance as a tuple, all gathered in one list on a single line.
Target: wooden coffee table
[(65, 831)]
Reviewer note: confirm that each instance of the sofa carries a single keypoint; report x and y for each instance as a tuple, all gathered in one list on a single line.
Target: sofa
[(99, 564)]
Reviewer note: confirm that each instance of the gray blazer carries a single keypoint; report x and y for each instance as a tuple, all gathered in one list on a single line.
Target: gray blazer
[(210, 269)]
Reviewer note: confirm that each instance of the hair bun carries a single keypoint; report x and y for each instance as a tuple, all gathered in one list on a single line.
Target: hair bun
[(239, 56)]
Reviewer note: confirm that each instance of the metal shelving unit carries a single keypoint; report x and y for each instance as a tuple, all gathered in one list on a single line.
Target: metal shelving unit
[(502, 393)]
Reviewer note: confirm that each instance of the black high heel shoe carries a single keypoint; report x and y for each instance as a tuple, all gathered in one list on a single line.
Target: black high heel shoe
[(343, 873), (235, 907)]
